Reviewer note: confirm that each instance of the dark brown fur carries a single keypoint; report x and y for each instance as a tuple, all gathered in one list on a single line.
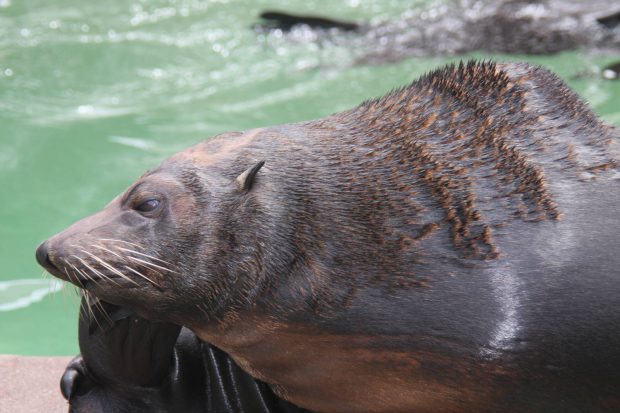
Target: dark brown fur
[(385, 258)]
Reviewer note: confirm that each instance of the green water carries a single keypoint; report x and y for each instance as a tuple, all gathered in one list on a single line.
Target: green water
[(94, 93)]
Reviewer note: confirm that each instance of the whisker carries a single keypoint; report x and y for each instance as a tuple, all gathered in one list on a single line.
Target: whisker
[(84, 307), (94, 271), (87, 277), (64, 290), (150, 264), (105, 249), (49, 289), (109, 267), (144, 255), (89, 307), (84, 273), (123, 241), (142, 275), (102, 310), (69, 273), (75, 290)]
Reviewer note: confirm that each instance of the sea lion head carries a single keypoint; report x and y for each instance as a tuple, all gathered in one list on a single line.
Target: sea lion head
[(175, 241)]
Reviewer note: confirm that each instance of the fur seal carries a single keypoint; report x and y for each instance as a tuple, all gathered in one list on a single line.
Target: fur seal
[(129, 364), (456, 27), (447, 247)]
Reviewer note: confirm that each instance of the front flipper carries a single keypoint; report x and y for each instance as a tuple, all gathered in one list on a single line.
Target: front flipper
[(75, 380), (129, 364), (125, 365)]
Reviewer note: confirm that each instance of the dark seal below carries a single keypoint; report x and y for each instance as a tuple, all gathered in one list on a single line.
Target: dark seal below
[(129, 364), (448, 247)]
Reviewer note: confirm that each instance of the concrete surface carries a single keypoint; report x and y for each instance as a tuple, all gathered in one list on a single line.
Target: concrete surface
[(31, 384)]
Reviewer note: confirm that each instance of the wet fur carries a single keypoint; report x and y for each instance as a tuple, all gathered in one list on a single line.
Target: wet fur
[(379, 252)]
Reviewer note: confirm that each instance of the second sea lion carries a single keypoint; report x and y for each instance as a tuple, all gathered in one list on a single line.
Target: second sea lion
[(540, 27), (129, 364)]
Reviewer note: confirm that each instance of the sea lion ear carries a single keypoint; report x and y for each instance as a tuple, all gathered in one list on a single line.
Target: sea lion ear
[(246, 179)]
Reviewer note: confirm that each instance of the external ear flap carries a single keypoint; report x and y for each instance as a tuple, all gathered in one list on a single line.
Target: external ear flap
[(246, 179)]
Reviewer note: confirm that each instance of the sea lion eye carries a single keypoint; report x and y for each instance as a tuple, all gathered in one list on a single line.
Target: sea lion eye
[(149, 205)]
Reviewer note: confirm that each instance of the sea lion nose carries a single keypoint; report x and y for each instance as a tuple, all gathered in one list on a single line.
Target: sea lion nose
[(43, 257)]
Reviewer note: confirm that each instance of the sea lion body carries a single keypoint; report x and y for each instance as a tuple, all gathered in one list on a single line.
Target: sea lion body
[(451, 246), (450, 28)]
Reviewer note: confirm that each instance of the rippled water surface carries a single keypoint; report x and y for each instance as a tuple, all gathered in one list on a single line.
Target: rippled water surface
[(94, 93)]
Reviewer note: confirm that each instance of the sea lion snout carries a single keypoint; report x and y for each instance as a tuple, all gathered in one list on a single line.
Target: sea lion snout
[(70, 248), (43, 257), (104, 249), (175, 232)]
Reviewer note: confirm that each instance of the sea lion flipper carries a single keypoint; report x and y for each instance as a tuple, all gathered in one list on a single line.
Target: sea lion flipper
[(286, 21), (119, 346), (67, 383), (132, 364), (75, 380), (125, 362)]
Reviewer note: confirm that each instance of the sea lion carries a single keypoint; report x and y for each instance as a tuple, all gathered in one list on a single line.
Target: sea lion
[(447, 247), (464, 26), (129, 364)]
